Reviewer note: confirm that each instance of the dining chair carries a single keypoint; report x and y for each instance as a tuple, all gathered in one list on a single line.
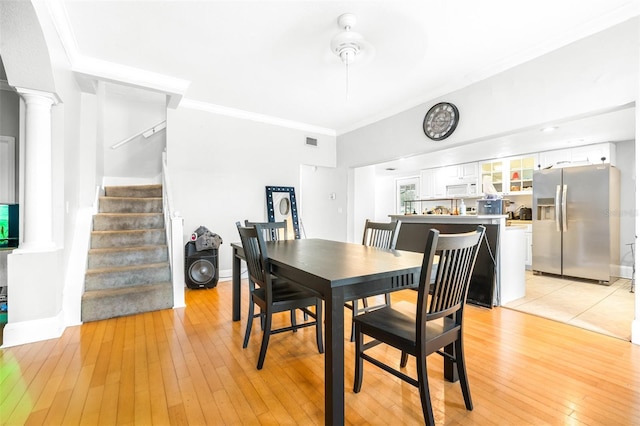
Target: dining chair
[(380, 235), (272, 231), (273, 294), (434, 323)]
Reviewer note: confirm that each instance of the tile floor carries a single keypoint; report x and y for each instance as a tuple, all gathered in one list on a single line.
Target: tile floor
[(601, 308)]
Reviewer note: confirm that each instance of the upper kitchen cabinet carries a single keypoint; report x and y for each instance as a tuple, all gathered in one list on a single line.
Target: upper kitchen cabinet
[(521, 174), (460, 180), (580, 155), (428, 180), (495, 171), (510, 175)]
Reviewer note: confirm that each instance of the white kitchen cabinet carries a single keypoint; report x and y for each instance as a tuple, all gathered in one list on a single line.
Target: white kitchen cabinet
[(467, 173), (593, 154), (520, 174), (433, 182), (553, 158), (427, 183), (587, 154), (494, 170), (513, 175), (460, 180)]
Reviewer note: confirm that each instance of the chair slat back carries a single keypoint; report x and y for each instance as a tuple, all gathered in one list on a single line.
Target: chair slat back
[(457, 256), (271, 231), (255, 253), (381, 234)]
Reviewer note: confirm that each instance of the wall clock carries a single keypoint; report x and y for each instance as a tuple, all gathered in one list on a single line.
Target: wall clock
[(441, 120)]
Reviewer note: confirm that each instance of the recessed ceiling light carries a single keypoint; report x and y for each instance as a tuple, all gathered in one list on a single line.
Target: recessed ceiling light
[(549, 129)]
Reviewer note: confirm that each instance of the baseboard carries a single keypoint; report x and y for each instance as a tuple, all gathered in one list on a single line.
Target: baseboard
[(20, 333), (226, 274), (624, 272)]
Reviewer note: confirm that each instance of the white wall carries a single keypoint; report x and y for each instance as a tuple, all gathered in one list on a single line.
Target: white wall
[(593, 74), (589, 75), (36, 305), (125, 116), (220, 166)]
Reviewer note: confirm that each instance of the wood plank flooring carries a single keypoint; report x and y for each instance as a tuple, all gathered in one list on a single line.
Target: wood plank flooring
[(187, 366)]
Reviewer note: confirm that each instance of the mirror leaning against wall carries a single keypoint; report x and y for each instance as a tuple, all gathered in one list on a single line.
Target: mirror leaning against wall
[(282, 205)]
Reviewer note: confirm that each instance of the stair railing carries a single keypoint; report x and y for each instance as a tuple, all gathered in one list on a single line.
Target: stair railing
[(174, 224), (146, 133)]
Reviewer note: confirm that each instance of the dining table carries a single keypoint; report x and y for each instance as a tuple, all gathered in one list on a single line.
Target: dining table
[(337, 272)]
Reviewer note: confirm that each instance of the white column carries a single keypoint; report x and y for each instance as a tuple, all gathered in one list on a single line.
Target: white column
[(37, 204)]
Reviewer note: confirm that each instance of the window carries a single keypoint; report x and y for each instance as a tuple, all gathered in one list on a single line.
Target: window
[(406, 189)]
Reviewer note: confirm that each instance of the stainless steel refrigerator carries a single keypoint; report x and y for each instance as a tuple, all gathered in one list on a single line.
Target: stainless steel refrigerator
[(576, 221)]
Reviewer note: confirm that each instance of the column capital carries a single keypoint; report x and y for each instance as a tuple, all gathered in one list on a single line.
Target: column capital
[(28, 94)]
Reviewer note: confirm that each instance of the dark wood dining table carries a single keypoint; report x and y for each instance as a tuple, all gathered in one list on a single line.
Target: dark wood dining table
[(337, 272)]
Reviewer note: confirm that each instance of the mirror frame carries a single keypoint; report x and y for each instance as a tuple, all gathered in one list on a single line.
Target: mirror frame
[(292, 217)]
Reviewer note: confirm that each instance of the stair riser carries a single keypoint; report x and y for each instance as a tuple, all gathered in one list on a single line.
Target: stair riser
[(134, 191), (130, 205), (128, 238), (107, 222), (110, 306), (119, 279), (126, 258)]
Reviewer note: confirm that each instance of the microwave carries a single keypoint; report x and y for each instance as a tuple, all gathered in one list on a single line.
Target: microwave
[(461, 190)]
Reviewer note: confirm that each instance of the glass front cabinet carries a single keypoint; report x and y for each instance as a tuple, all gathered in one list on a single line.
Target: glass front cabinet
[(509, 175), (521, 174), (493, 172)]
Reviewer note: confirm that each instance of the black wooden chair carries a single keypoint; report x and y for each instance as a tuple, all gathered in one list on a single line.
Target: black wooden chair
[(272, 294), (432, 324), (380, 235), (271, 231)]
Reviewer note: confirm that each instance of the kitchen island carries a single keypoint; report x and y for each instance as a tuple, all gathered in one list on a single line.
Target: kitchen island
[(499, 275)]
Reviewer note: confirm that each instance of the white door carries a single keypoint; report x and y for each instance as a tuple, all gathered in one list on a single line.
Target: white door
[(7, 170)]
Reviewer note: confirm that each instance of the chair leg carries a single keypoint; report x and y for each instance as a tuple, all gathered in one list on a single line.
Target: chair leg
[(357, 378), (354, 310), (319, 326), (403, 359), (265, 340), (462, 375), (423, 386), (247, 332), (293, 320)]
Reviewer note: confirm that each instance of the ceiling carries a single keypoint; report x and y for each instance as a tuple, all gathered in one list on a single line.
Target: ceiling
[(273, 58)]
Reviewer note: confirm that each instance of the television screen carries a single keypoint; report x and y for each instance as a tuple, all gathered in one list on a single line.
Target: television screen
[(9, 225)]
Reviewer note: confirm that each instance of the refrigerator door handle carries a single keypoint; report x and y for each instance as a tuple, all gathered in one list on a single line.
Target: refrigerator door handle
[(564, 207), (557, 208)]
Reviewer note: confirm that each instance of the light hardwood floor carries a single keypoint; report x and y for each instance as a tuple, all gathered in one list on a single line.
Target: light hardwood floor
[(187, 366)]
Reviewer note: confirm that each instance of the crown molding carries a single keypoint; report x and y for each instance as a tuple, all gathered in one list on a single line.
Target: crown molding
[(253, 116), (89, 71)]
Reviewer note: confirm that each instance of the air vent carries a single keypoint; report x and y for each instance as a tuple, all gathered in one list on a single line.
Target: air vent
[(312, 142)]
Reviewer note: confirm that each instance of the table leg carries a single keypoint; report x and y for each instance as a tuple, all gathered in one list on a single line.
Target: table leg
[(334, 359), (236, 288)]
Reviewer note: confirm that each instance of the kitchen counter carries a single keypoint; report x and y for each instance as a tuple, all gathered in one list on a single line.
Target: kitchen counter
[(450, 218), (498, 279)]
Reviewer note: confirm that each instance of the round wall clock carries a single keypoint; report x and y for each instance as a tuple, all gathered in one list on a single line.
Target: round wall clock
[(441, 120)]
